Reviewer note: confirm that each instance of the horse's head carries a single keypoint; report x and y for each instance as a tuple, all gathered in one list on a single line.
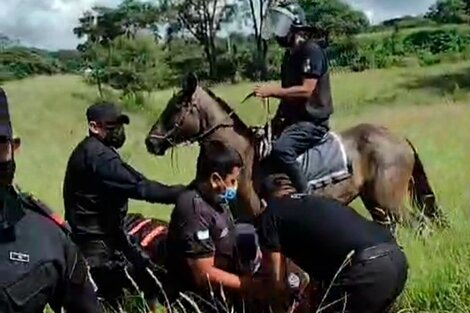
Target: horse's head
[(190, 115)]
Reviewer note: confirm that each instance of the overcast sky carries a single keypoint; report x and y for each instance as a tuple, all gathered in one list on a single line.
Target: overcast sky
[(49, 23)]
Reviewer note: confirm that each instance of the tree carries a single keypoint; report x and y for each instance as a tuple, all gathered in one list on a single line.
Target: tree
[(203, 19), (254, 15), (135, 64), (334, 16), (448, 12), (102, 24)]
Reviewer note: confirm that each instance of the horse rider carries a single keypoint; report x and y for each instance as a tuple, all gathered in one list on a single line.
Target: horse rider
[(97, 186), (338, 248), (202, 237), (40, 264), (305, 93)]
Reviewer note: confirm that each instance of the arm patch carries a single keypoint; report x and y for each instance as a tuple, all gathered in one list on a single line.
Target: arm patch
[(36, 205)]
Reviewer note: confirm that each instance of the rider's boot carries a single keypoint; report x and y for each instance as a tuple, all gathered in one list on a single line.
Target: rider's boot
[(297, 177)]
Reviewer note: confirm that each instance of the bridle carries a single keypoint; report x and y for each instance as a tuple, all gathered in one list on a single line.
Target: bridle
[(190, 105)]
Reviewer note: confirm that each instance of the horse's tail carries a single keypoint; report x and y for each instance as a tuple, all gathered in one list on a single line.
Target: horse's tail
[(421, 192)]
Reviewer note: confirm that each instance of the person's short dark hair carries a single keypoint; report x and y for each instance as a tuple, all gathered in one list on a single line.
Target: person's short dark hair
[(275, 183), (215, 156)]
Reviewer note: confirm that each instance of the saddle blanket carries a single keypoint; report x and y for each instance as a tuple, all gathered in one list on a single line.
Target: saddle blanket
[(326, 163)]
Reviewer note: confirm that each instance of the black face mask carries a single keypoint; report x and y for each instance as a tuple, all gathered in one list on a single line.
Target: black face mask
[(115, 137), (7, 172)]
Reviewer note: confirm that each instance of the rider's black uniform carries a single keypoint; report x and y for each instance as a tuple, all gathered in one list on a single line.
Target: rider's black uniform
[(306, 120)]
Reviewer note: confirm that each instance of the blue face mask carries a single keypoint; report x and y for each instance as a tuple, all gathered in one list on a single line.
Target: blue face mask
[(229, 195)]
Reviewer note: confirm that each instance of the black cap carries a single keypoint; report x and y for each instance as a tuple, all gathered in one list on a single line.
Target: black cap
[(106, 112), (5, 122)]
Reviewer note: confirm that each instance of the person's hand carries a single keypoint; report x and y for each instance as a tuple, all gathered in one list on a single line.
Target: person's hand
[(265, 91)]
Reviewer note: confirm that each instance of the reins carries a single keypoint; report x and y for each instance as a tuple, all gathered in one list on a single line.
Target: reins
[(198, 138), (266, 105)]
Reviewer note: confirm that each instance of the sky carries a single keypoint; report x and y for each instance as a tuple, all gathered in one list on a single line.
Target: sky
[(48, 24)]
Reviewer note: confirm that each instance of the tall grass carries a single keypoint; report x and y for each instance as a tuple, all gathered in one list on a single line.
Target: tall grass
[(428, 105)]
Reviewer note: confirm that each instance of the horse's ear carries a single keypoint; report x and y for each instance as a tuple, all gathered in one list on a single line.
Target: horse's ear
[(190, 83)]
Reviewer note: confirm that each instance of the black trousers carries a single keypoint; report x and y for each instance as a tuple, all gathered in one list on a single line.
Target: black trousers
[(371, 283), (295, 140)]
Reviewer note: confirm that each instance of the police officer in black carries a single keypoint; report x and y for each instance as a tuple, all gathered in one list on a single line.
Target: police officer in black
[(327, 239), (306, 101), (202, 237), (39, 264), (97, 186)]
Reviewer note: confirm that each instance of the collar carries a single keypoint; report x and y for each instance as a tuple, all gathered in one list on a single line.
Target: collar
[(11, 208), (94, 138)]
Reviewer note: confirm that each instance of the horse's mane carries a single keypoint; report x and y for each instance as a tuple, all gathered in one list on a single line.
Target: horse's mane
[(226, 107)]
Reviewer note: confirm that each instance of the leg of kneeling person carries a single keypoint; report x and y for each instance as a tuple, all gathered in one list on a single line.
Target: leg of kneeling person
[(109, 282), (373, 286), (147, 284)]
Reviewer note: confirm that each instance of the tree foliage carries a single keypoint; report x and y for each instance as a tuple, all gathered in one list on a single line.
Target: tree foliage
[(334, 16), (203, 19), (449, 12)]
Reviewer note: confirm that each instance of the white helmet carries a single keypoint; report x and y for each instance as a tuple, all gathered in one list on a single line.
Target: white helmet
[(280, 20)]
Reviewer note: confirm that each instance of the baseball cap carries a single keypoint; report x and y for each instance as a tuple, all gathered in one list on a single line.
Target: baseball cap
[(106, 112)]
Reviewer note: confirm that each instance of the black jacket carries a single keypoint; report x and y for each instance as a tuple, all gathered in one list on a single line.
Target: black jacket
[(40, 265), (97, 187)]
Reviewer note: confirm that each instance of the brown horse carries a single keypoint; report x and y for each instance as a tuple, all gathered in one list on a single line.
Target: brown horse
[(384, 166)]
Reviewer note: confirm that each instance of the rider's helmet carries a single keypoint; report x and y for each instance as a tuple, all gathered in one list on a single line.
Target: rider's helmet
[(282, 20)]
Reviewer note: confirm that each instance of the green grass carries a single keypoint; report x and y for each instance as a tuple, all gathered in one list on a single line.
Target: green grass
[(408, 31), (428, 105)]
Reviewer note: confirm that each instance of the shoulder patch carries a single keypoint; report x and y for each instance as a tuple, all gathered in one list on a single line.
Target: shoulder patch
[(203, 234), (40, 207), (307, 66)]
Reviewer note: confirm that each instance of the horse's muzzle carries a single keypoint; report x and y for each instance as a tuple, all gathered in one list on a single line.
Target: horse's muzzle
[(156, 146)]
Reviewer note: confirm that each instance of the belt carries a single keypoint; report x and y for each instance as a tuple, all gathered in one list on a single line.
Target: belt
[(375, 252)]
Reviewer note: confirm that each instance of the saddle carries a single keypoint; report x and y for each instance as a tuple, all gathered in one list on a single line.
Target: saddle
[(324, 164)]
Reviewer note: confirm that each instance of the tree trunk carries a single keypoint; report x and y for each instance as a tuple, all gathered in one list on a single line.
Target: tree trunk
[(262, 47), (209, 52)]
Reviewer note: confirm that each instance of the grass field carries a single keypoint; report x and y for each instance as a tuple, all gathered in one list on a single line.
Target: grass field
[(428, 105), (411, 30)]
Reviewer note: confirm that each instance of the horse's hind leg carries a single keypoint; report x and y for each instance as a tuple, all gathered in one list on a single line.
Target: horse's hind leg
[(379, 215), (384, 196)]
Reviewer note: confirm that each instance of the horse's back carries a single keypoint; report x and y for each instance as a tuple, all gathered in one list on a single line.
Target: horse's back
[(371, 142)]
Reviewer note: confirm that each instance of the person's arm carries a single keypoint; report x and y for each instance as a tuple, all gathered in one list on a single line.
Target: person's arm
[(303, 91), (315, 65), (271, 246), (76, 287), (205, 272), (122, 179), (276, 264), (198, 246)]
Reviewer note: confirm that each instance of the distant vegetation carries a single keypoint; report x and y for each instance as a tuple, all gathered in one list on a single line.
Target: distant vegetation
[(128, 49)]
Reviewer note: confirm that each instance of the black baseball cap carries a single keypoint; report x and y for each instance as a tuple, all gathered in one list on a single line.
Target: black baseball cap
[(106, 112)]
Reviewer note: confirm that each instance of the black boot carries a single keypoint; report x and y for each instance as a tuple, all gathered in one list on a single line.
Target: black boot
[(297, 177)]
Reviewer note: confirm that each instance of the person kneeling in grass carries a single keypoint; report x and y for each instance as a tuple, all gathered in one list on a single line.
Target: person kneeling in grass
[(201, 233), (358, 264)]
